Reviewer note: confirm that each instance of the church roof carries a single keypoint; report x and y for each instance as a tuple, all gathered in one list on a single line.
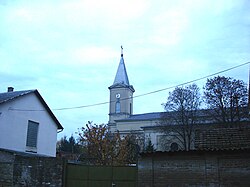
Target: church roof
[(203, 115), (157, 116), (143, 117), (121, 74)]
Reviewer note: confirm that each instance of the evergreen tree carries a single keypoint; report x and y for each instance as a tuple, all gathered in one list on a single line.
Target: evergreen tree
[(150, 147), (68, 145)]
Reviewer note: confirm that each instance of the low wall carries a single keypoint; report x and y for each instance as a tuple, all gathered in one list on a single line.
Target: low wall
[(6, 168), (228, 168), (29, 170)]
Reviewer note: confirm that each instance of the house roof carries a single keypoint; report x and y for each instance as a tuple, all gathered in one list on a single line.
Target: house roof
[(223, 138), (9, 96), (158, 153), (219, 137)]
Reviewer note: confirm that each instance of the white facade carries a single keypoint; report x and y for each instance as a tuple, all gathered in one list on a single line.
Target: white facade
[(14, 125), (138, 127)]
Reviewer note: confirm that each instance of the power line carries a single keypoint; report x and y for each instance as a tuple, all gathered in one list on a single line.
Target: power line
[(195, 80), (141, 95)]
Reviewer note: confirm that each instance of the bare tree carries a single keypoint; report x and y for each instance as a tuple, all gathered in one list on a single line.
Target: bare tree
[(180, 117), (227, 98)]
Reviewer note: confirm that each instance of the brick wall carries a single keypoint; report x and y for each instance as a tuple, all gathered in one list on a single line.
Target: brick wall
[(6, 169), (26, 170), (37, 171), (195, 168)]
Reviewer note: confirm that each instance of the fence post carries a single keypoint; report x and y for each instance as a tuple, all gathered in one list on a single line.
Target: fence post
[(153, 171), (64, 172)]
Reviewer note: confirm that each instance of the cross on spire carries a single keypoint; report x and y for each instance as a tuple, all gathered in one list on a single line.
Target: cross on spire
[(121, 51)]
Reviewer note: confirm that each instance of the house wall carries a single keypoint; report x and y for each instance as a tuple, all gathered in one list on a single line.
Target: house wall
[(14, 124), (194, 168)]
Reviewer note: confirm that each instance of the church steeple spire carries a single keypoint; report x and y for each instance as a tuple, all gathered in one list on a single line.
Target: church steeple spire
[(121, 96), (121, 74)]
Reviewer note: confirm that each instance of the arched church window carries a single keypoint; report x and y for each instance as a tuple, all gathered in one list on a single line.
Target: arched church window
[(117, 107), (174, 146)]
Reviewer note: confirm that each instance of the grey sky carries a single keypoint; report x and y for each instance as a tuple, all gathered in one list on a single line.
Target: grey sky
[(70, 50)]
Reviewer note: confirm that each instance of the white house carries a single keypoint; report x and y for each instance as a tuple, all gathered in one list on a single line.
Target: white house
[(27, 124)]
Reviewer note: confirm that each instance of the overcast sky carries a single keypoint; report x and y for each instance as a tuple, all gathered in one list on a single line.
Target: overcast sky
[(70, 50)]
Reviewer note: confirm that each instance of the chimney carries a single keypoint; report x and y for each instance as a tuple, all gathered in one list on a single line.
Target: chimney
[(10, 89)]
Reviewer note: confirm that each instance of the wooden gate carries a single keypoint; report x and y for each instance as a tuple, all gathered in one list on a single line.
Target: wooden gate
[(100, 176)]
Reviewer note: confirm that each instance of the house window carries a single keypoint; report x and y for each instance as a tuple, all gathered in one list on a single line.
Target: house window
[(31, 141), (117, 107)]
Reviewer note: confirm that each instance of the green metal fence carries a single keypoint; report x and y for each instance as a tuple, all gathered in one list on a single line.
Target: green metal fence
[(100, 176)]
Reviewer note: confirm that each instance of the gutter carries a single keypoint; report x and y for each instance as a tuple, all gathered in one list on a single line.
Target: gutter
[(59, 131)]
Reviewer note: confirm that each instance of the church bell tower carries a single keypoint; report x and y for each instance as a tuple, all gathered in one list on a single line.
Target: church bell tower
[(121, 96)]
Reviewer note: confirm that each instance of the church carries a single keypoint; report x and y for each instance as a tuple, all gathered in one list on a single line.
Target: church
[(121, 117), (149, 126)]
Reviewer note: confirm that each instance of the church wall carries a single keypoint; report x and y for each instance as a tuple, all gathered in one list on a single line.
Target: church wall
[(124, 93), (151, 136), (160, 140), (125, 100), (127, 127)]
